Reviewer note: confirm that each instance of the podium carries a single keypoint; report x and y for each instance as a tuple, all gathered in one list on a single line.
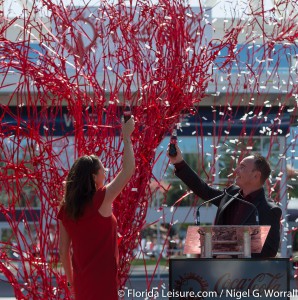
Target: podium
[(228, 278), (220, 240)]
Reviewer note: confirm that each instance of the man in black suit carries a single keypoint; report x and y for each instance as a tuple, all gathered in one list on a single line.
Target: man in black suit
[(251, 174)]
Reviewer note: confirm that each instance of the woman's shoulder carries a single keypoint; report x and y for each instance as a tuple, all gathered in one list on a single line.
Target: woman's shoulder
[(99, 197), (101, 192), (61, 212)]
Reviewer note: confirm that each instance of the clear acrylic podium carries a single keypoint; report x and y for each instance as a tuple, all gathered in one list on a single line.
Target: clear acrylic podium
[(219, 240)]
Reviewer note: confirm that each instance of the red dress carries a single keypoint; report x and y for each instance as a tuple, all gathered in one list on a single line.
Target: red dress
[(95, 252)]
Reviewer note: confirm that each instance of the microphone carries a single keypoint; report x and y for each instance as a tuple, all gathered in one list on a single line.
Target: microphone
[(243, 201), (205, 202)]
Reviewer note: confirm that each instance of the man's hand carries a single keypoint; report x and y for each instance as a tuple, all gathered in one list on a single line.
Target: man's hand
[(175, 159)]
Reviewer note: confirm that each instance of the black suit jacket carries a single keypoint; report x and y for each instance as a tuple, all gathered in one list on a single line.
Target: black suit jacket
[(269, 212)]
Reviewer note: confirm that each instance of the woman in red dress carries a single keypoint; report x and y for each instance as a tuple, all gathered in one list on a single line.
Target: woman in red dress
[(87, 227)]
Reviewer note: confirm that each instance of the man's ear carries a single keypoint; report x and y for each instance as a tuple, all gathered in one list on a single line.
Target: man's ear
[(258, 175)]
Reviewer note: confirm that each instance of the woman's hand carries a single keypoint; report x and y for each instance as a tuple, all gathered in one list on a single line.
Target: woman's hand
[(128, 127)]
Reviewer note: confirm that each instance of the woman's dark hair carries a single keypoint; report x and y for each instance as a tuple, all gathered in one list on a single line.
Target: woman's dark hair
[(80, 185)]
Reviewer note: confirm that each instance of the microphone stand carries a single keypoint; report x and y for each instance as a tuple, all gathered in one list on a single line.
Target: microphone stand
[(205, 202)]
